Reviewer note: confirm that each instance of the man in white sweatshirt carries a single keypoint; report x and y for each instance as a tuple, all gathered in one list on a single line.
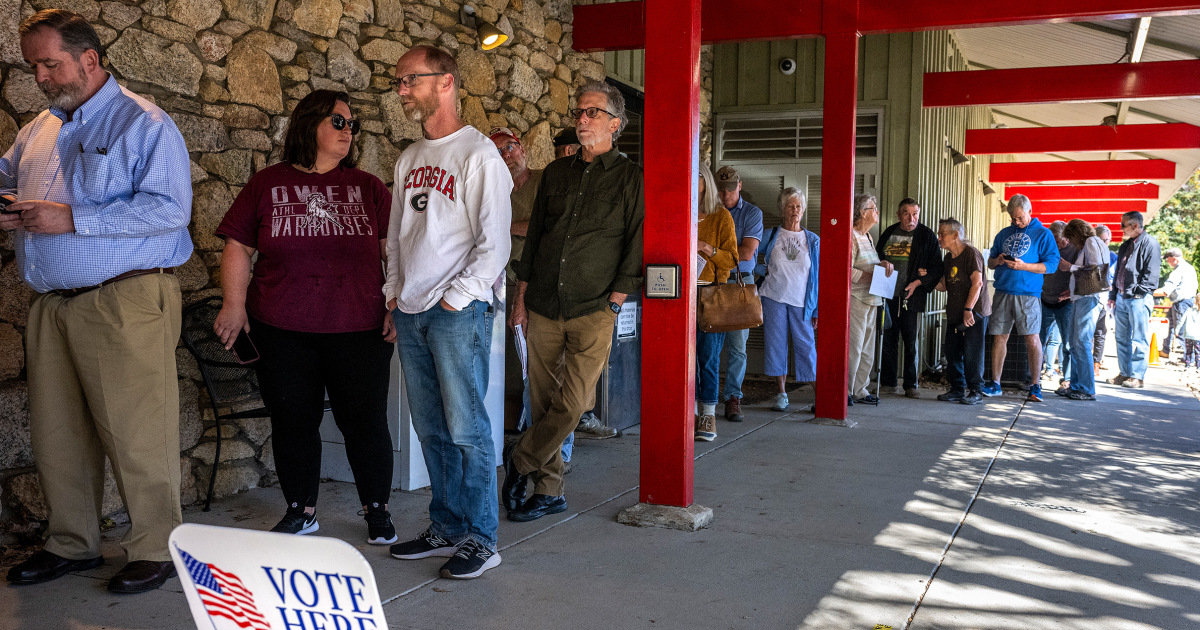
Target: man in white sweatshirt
[(447, 244)]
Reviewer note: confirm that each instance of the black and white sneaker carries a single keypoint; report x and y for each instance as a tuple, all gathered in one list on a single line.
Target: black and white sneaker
[(470, 561), (425, 545), (380, 530), (296, 521)]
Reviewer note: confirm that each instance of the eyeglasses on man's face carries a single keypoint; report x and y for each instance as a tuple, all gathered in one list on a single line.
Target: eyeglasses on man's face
[(508, 148), (339, 122), (592, 112), (410, 80)]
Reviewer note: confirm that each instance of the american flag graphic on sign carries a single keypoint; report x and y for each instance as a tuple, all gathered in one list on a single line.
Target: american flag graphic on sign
[(223, 594)]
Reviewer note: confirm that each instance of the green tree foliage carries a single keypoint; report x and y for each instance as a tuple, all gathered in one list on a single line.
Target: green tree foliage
[(1178, 223)]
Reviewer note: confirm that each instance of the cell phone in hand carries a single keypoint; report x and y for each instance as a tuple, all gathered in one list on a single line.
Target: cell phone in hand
[(1008, 257), (243, 349), (4, 203)]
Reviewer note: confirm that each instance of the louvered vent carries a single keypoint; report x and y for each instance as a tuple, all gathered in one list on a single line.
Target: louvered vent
[(792, 137)]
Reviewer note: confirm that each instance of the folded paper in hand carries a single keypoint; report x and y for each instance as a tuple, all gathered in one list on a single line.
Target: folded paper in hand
[(881, 284)]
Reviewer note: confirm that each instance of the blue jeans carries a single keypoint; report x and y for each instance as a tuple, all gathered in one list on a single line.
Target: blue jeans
[(444, 357), (735, 370), (1086, 312), (964, 356), (708, 368), (1060, 317), (1132, 335)]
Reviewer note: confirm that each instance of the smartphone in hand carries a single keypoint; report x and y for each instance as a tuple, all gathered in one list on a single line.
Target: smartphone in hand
[(4, 203), (243, 349)]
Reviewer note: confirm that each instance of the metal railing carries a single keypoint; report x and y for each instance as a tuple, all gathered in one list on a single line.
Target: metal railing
[(931, 334)]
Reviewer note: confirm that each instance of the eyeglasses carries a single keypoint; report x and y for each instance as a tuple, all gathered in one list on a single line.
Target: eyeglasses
[(508, 148), (592, 112), (339, 122), (410, 80)]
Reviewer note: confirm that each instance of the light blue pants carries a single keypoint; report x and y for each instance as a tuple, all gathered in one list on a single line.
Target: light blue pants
[(1085, 313), (780, 323), (735, 369), (1132, 335)]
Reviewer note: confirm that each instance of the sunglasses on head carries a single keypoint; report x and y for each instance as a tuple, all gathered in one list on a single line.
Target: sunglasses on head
[(339, 122)]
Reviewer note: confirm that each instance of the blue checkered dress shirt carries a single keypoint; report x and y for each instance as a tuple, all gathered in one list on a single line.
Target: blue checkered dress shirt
[(122, 166)]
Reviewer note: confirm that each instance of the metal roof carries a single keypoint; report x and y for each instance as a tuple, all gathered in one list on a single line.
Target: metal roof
[(1084, 43)]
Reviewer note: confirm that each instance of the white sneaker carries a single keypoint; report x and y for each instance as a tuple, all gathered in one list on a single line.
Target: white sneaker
[(781, 402)]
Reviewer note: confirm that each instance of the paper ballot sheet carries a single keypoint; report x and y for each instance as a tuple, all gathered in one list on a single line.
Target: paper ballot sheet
[(522, 350), (881, 284)]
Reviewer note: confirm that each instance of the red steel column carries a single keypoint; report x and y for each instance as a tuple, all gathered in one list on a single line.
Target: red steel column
[(672, 128), (837, 198)]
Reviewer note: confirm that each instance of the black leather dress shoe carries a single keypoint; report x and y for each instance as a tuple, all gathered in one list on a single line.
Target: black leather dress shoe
[(537, 506), (44, 566), (140, 576), (513, 490)]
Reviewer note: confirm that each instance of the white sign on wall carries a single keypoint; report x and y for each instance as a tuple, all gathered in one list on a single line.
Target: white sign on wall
[(240, 578)]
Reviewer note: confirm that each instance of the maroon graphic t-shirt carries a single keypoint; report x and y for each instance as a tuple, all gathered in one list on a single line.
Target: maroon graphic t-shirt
[(317, 237)]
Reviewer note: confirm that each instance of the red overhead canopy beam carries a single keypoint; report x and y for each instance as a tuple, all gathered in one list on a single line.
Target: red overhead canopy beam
[(1079, 208), (1101, 191), (1091, 138), (1095, 171), (1064, 84), (622, 25)]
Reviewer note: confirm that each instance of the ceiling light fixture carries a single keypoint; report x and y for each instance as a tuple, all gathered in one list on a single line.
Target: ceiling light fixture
[(956, 156), (489, 36)]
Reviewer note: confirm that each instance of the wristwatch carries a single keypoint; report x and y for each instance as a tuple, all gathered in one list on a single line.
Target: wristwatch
[(614, 307)]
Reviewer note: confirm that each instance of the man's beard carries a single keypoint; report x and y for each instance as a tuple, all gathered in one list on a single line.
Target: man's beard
[(421, 111), (68, 96)]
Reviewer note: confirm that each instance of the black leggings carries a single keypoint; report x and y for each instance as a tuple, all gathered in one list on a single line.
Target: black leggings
[(295, 371)]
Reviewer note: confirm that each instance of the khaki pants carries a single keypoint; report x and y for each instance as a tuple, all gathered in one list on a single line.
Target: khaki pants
[(861, 356), (566, 359), (102, 381)]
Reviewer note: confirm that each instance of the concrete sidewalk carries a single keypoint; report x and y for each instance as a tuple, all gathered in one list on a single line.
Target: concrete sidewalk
[(1087, 516)]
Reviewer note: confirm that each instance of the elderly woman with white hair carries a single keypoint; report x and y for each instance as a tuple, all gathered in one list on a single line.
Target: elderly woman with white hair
[(864, 307), (789, 295)]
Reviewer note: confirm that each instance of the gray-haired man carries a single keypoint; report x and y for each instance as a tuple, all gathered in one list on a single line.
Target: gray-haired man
[(583, 256)]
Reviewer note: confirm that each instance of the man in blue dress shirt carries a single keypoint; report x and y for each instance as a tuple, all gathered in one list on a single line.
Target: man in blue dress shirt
[(102, 202), (748, 229)]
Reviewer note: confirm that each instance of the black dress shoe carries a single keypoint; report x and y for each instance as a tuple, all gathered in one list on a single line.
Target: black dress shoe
[(537, 506), (140, 576), (513, 490), (44, 566)]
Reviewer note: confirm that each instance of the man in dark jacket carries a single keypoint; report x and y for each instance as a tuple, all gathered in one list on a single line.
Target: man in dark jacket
[(913, 249), (1132, 297)]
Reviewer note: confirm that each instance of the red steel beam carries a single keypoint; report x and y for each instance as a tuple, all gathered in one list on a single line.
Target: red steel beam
[(837, 200), (621, 25), (672, 131), (1096, 191), (1089, 207), (888, 16), (1095, 171), (1084, 139), (1064, 84)]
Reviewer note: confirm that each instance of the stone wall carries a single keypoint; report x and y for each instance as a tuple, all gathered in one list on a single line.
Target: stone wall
[(228, 72)]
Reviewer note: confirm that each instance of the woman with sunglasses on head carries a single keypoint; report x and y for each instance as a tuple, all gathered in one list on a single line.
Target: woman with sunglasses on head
[(314, 309)]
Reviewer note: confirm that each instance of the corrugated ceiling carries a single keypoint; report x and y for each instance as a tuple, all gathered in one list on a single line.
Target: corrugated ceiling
[(1068, 44)]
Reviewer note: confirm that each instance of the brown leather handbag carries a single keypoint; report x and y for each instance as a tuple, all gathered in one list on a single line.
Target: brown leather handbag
[(725, 307)]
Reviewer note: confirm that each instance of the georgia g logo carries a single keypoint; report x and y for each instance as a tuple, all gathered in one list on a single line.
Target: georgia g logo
[(419, 202)]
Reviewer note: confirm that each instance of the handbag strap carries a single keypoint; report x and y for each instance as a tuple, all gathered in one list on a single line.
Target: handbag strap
[(710, 261)]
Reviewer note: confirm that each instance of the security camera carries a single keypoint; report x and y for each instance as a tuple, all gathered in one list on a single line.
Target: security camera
[(787, 65)]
